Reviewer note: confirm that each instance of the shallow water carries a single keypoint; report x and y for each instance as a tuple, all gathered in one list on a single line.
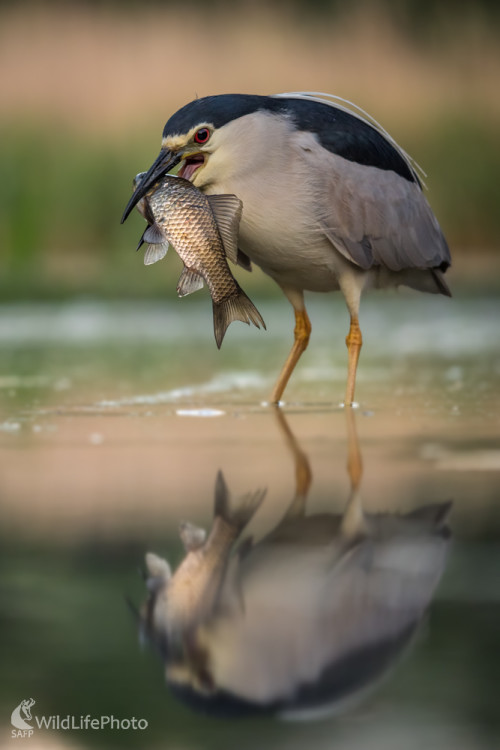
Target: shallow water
[(114, 421)]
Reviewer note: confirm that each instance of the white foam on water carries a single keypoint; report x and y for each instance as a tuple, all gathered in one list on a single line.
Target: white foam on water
[(10, 427), (222, 383), (200, 412)]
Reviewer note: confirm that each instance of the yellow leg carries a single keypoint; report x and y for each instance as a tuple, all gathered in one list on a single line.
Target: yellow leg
[(302, 333), (354, 342)]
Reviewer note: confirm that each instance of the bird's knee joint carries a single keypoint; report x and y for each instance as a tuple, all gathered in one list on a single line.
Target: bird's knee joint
[(354, 337), (354, 340), (302, 331)]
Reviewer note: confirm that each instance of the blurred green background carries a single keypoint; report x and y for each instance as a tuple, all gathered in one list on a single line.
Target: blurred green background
[(86, 88)]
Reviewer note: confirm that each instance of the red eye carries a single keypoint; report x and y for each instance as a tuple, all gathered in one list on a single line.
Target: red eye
[(202, 135)]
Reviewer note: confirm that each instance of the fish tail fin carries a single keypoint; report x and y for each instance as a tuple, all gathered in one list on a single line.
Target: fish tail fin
[(247, 505), (235, 307)]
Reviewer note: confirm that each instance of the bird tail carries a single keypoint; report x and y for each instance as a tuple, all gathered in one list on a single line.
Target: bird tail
[(441, 284), (236, 307)]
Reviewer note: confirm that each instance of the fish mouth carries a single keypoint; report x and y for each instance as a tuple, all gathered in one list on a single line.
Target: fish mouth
[(190, 165), (165, 161)]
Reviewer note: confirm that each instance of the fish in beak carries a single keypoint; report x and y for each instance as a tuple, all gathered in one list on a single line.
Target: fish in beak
[(165, 161)]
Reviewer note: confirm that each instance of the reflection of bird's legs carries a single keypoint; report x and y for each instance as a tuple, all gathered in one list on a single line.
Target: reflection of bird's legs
[(302, 333), (354, 460), (303, 474), (353, 521)]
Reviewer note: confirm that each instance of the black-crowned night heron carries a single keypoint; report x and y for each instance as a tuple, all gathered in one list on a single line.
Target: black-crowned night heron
[(330, 201)]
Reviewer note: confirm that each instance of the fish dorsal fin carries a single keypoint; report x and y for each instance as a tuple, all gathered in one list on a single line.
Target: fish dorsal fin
[(154, 235), (189, 281), (227, 212), (155, 253)]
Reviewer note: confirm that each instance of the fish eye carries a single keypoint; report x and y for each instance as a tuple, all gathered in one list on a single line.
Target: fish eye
[(202, 135)]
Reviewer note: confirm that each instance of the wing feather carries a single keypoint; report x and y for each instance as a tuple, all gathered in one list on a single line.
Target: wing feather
[(377, 218), (373, 216), (338, 102)]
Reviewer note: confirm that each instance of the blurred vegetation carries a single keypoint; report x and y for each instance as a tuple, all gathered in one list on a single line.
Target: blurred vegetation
[(62, 200), (66, 179)]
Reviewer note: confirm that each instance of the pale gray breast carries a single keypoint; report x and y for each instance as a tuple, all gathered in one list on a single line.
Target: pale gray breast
[(306, 210)]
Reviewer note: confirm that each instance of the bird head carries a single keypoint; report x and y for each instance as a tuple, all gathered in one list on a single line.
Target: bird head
[(205, 137), (216, 137)]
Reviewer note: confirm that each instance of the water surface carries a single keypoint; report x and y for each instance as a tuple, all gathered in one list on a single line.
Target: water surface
[(114, 421)]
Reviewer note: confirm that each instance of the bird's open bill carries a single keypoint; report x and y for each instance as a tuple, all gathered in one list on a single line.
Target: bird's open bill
[(164, 162)]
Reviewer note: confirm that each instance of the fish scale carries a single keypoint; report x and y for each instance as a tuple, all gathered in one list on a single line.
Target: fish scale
[(192, 230), (181, 215)]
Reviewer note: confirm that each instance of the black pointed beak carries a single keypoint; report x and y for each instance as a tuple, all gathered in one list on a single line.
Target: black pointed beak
[(164, 163)]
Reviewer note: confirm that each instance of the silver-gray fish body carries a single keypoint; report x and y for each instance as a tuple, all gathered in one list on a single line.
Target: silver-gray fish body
[(180, 601), (202, 230)]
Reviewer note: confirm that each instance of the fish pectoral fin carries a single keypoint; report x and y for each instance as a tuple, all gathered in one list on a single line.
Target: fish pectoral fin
[(155, 252), (154, 235), (227, 213), (158, 571), (193, 537), (189, 281)]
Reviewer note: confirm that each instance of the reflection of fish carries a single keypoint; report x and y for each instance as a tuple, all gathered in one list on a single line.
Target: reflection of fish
[(203, 231), (301, 622), (179, 602)]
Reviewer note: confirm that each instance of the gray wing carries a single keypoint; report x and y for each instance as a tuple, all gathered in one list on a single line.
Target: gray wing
[(375, 217)]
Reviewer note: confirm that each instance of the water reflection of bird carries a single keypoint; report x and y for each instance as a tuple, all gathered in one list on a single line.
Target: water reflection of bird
[(304, 619), (330, 201)]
